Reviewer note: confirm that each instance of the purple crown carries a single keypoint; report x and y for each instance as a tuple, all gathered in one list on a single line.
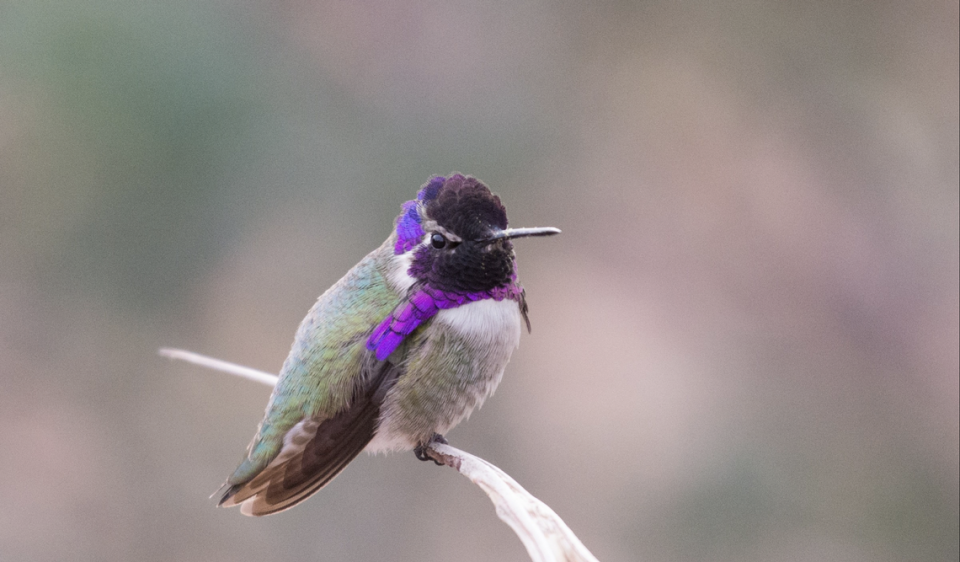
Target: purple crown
[(409, 231)]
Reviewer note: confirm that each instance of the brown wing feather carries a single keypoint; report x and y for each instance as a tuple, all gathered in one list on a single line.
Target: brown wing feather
[(315, 453)]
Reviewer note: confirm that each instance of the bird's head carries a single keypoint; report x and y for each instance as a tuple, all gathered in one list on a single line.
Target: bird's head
[(456, 236)]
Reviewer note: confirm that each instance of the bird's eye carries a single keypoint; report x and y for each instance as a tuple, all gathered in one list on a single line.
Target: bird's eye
[(438, 240)]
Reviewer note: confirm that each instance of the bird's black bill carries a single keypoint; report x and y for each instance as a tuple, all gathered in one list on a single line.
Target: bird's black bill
[(523, 232)]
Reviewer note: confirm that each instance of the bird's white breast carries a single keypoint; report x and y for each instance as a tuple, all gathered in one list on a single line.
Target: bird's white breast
[(486, 324), (491, 329)]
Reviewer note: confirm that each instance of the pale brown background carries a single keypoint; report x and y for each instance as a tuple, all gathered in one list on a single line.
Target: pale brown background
[(745, 342)]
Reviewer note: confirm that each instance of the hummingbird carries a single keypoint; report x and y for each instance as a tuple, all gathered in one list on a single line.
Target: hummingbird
[(396, 353)]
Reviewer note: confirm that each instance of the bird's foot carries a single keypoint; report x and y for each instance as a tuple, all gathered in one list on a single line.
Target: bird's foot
[(421, 450)]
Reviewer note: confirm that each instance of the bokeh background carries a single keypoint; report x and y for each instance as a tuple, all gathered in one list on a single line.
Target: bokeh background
[(745, 342)]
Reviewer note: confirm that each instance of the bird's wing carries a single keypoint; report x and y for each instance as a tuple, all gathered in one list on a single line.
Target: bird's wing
[(314, 451), (324, 409)]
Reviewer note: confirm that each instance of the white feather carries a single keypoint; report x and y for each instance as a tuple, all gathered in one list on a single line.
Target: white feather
[(400, 281), (386, 441), (486, 324), (296, 439)]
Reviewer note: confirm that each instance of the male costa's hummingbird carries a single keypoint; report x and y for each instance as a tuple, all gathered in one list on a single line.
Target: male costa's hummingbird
[(397, 352)]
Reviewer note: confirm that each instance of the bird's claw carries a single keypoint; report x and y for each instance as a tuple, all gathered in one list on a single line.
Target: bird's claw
[(421, 450)]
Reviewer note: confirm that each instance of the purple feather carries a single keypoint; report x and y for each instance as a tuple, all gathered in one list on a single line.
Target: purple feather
[(422, 306), (409, 231), (431, 188)]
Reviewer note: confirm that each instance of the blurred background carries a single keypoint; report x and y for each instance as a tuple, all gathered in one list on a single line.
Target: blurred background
[(745, 343)]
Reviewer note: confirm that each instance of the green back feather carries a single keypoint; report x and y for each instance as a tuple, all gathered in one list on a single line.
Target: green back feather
[(319, 375)]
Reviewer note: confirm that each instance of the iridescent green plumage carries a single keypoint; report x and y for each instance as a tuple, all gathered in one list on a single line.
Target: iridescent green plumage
[(319, 376)]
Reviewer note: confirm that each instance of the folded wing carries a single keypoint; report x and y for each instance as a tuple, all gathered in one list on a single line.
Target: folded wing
[(314, 451)]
